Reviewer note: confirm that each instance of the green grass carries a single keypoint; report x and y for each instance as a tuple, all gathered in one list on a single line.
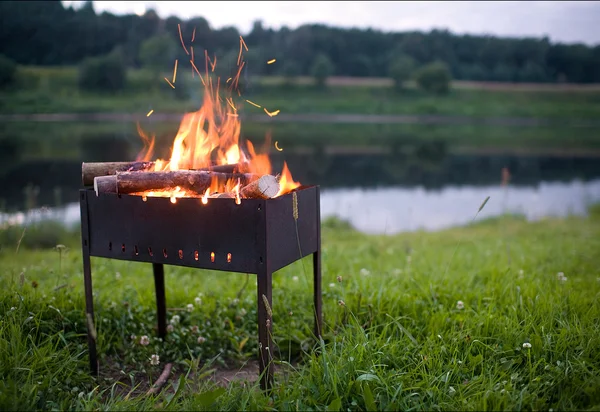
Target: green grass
[(399, 342), (54, 90)]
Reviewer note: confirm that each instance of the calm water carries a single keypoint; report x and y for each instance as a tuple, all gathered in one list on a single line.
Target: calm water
[(397, 190)]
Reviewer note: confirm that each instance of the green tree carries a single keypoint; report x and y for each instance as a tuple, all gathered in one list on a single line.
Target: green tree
[(8, 72), (321, 69), (290, 72), (158, 53), (103, 73), (434, 77), (401, 68)]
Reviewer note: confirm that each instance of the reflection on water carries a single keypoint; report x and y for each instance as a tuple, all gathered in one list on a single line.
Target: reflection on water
[(392, 210), (413, 184), (396, 209)]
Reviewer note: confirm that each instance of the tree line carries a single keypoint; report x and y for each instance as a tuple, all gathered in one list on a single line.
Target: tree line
[(47, 33)]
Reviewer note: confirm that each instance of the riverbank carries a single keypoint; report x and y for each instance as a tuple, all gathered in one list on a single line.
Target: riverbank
[(55, 90), (400, 313)]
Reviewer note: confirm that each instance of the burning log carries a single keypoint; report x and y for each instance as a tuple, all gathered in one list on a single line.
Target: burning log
[(265, 187), (193, 181), (91, 170)]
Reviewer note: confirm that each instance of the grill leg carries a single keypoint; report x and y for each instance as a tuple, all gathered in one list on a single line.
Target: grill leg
[(161, 302), (265, 343), (317, 293), (89, 312)]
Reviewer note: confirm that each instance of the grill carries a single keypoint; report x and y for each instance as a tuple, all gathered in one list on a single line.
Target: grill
[(257, 236)]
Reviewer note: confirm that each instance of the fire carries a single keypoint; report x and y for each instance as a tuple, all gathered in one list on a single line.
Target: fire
[(211, 136), (286, 182)]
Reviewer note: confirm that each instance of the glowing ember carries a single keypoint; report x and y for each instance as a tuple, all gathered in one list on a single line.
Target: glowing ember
[(211, 137)]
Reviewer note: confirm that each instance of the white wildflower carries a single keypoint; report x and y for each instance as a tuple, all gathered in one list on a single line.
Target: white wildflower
[(561, 277), (144, 340), (118, 275), (332, 285), (295, 278), (527, 345), (243, 312), (198, 301), (13, 308), (460, 305), (190, 307), (235, 301), (175, 319), (201, 339), (365, 272), (154, 360), (521, 272), (408, 259), (170, 328)]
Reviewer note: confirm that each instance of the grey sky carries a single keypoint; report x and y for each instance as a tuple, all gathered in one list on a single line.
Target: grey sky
[(564, 21)]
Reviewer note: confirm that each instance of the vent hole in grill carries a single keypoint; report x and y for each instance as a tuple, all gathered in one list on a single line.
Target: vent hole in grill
[(229, 258), (165, 252), (123, 247), (109, 245), (195, 255), (260, 259), (135, 249), (180, 254), (150, 251), (212, 256)]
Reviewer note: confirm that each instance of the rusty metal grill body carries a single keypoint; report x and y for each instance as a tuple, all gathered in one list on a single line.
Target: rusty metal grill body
[(257, 236)]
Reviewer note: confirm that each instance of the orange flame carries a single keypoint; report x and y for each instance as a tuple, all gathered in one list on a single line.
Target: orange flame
[(286, 182), (211, 136)]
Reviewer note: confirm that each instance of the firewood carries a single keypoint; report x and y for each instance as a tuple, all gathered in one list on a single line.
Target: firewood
[(265, 187), (188, 180), (91, 170)]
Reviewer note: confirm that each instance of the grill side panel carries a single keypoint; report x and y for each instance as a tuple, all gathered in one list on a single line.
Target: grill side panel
[(293, 229)]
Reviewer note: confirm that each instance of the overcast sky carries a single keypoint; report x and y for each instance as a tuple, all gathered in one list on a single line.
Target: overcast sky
[(561, 21)]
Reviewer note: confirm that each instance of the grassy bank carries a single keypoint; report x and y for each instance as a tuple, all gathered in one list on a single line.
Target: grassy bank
[(79, 139), (43, 90), (400, 340)]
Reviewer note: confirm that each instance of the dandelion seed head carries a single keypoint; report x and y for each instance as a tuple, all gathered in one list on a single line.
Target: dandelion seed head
[(527, 345), (190, 307), (460, 305)]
